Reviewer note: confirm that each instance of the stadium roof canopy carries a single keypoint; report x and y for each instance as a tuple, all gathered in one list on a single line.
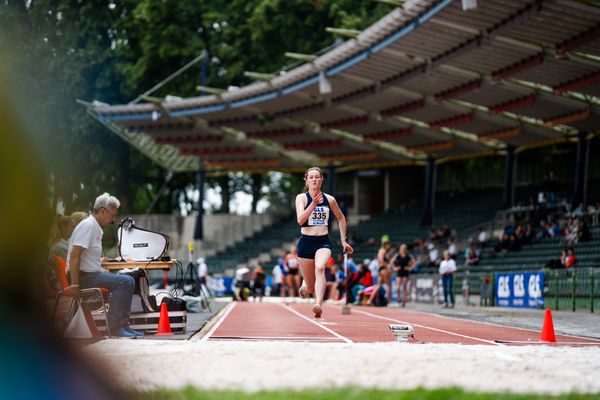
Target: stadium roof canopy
[(427, 80)]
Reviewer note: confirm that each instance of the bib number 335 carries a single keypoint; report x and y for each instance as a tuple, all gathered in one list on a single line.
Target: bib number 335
[(319, 216)]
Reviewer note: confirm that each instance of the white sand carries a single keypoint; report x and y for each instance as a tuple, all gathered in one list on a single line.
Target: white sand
[(253, 366)]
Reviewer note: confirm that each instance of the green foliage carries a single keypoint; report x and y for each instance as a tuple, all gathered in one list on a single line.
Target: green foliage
[(64, 50), (191, 393)]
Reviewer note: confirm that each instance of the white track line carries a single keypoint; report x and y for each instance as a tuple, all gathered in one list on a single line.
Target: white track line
[(499, 325), (344, 338), (428, 327), (279, 338), (219, 322)]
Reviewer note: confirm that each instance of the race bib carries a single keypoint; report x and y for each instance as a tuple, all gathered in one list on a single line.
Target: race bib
[(319, 216)]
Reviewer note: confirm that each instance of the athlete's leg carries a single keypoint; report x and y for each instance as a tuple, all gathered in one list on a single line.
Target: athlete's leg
[(307, 268), (290, 281), (388, 283), (323, 255), (404, 289), (398, 283), (297, 281)]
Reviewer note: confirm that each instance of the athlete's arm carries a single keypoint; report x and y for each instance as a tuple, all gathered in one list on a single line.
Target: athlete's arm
[(302, 214), (335, 208)]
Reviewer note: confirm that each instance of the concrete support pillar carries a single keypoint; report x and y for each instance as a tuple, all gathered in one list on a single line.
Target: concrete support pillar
[(200, 178), (429, 200), (386, 190), (508, 196), (330, 179), (225, 195), (256, 185), (355, 195), (581, 166)]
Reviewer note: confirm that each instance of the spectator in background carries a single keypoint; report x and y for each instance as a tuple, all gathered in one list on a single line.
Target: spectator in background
[(277, 278), (59, 246), (580, 210), (452, 248), (373, 267), (583, 232), (572, 228), (377, 295), (558, 263), (402, 263), (514, 244), (446, 271), (331, 292), (283, 290), (528, 235), (543, 230), (340, 282), (595, 213), (481, 237), (258, 283), (472, 255), (384, 254), (434, 256), (203, 274), (554, 231), (291, 264), (78, 216), (570, 260), (433, 235), (551, 190), (503, 245), (485, 290)]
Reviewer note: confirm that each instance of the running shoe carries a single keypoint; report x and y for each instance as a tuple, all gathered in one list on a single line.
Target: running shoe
[(303, 292), (317, 311)]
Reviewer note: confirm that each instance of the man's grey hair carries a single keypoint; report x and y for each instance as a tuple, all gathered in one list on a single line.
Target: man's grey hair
[(107, 201)]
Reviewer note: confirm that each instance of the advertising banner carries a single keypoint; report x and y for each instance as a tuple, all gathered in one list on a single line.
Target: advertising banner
[(521, 289), (220, 286)]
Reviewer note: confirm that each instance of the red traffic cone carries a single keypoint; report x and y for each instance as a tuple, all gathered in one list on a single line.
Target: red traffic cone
[(164, 325), (547, 334)]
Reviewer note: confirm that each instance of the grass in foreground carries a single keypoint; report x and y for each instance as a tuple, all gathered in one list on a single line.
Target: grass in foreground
[(191, 393)]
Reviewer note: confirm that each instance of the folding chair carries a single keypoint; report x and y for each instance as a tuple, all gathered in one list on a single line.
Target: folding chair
[(60, 269)]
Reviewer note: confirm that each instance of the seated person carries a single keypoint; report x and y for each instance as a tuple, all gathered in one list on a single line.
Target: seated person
[(258, 283), (557, 263), (472, 255), (377, 295), (503, 245), (481, 237), (331, 291), (434, 255), (570, 260), (59, 246), (583, 232), (85, 265), (359, 281)]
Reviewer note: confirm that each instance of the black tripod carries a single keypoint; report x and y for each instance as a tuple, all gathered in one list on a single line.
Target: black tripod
[(198, 288)]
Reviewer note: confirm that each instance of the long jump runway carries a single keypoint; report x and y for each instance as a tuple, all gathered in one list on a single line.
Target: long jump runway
[(295, 322)]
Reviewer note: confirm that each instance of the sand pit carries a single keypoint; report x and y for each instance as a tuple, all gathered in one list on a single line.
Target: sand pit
[(254, 366)]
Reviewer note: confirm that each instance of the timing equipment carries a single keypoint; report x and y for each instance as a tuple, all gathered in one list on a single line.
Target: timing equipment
[(137, 244)]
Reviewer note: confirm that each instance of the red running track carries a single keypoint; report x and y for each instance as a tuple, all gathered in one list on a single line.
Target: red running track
[(295, 322)]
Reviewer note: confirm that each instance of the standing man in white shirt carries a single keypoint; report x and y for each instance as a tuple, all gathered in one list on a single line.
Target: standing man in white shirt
[(84, 262), (447, 270)]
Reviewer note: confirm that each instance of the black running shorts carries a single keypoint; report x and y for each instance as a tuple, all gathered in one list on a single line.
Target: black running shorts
[(308, 245)]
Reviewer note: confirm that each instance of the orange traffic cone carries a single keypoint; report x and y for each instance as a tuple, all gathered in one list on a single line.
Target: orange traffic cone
[(164, 325), (547, 334)]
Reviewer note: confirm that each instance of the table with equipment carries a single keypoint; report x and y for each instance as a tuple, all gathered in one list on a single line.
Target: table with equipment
[(146, 321)]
